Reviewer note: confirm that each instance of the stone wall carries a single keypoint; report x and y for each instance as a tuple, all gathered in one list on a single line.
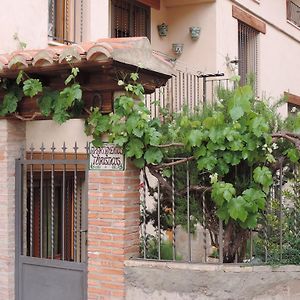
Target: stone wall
[(149, 280)]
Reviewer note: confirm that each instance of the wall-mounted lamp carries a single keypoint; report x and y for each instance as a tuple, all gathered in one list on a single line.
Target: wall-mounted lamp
[(195, 32), (177, 48), (162, 29)]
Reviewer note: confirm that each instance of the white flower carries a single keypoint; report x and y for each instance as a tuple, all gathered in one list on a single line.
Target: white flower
[(213, 178), (274, 146), (294, 109), (68, 58)]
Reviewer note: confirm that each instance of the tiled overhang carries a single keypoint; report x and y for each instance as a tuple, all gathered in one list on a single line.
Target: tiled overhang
[(101, 64)]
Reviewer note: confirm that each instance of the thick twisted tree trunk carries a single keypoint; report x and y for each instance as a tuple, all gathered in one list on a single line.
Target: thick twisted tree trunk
[(235, 242)]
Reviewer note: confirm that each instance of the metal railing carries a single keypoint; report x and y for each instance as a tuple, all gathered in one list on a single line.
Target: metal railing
[(186, 89), (293, 12), (179, 221)]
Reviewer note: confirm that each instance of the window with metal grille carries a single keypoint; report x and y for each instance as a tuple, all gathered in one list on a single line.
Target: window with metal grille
[(65, 21), (248, 54), (293, 11), (129, 18)]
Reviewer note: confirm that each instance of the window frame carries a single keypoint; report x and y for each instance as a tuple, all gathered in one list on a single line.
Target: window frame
[(289, 13)]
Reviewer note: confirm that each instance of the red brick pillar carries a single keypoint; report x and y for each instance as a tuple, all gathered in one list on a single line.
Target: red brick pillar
[(12, 137), (113, 230)]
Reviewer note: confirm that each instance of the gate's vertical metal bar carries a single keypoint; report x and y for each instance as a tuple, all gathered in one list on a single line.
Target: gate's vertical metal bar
[(188, 209), (75, 205), (251, 245), (18, 223), (81, 21), (64, 148), (84, 211), (158, 220), (74, 38), (204, 227), (281, 207), (144, 214), (31, 204), (204, 91), (220, 241), (173, 212), (52, 201), (41, 200)]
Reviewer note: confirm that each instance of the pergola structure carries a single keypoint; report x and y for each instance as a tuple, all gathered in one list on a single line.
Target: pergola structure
[(101, 64)]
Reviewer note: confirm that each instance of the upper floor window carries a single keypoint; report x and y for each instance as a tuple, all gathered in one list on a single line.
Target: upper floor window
[(248, 54), (65, 21), (293, 11), (129, 18)]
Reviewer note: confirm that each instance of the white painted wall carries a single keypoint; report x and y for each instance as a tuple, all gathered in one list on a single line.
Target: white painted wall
[(197, 55), (26, 18), (98, 20), (47, 132), (279, 62)]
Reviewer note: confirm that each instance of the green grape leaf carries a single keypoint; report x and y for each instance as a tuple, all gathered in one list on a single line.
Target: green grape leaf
[(10, 103), (46, 102), (263, 176), (139, 163), (293, 155), (167, 173), (155, 137), (250, 222), (131, 123), (134, 76), (259, 126), (223, 213), (134, 148), (32, 87), (121, 140), (138, 132), (195, 137), (153, 155), (236, 209), (236, 113), (20, 77)]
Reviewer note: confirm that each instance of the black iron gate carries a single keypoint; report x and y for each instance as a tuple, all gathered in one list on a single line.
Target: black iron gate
[(51, 224)]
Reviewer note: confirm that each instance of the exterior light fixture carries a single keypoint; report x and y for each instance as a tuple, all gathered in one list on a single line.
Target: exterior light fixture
[(162, 29), (195, 32)]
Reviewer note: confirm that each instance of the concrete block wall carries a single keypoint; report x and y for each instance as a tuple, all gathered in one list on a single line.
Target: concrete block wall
[(12, 137), (113, 230)]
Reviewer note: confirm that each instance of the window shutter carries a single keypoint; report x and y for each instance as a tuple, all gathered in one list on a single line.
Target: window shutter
[(130, 19), (248, 54)]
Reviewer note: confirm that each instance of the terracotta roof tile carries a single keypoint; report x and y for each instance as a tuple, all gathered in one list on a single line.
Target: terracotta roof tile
[(133, 51)]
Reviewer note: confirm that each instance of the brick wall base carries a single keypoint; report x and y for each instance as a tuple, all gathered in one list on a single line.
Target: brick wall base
[(113, 230), (12, 137)]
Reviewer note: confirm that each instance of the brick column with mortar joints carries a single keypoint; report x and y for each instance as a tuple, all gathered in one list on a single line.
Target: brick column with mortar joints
[(113, 230), (12, 138)]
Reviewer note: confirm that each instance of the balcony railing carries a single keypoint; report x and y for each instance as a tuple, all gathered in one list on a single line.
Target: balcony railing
[(293, 12), (186, 89)]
